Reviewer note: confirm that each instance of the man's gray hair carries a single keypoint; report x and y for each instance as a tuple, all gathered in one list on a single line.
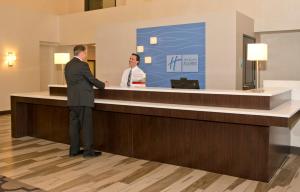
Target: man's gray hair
[(78, 49)]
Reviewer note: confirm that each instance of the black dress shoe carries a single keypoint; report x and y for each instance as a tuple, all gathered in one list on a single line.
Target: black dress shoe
[(76, 154), (91, 154)]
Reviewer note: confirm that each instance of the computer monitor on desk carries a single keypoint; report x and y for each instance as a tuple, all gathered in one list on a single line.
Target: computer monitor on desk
[(184, 83)]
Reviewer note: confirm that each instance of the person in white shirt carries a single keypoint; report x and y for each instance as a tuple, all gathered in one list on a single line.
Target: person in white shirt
[(133, 75)]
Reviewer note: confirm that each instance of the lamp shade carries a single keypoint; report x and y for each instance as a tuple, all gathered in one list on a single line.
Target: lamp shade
[(257, 52), (61, 58)]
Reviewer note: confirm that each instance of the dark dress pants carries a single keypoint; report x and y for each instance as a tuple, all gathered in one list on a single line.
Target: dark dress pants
[(81, 119)]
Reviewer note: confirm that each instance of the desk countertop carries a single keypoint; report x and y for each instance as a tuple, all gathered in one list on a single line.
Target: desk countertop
[(286, 110), (267, 92)]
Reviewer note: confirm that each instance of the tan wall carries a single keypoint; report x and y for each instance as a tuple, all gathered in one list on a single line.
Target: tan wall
[(108, 3), (269, 15), (114, 32), (53, 74), (43, 6), (57, 7), (21, 32), (278, 15), (138, 11), (74, 6), (244, 26), (220, 51), (223, 51), (121, 2), (47, 68), (284, 57), (49, 72)]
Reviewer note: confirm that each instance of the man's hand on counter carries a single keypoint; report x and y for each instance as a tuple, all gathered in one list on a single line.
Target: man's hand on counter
[(106, 84)]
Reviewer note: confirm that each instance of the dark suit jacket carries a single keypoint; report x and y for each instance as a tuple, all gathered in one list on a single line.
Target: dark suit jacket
[(80, 83)]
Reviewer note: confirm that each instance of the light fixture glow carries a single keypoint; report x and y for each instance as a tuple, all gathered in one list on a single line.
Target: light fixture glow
[(148, 60), (61, 58), (140, 49), (153, 40), (257, 52), (11, 58)]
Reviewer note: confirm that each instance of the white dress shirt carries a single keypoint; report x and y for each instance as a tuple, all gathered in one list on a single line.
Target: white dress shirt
[(137, 75), (78, 58)]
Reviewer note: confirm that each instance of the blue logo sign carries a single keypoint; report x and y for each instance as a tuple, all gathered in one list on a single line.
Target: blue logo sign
[(174, 63), (182, 63)]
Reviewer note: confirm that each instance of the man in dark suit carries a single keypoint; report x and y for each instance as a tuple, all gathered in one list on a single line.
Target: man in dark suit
[(80, 90)]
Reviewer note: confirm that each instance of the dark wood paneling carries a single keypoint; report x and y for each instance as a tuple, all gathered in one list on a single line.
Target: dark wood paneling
[(151, 139), (294, 120), (196, 115), (7, 112), (279, 147), (49, 123), (200, 99), (19, 118), (222, 143), (199, 115), (60, 118), (14, 127), (250, 146), (113, 132), (233, 149)]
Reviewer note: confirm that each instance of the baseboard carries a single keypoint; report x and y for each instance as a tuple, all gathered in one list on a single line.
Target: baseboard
[(285, 149), (8, 112), (295, 150)]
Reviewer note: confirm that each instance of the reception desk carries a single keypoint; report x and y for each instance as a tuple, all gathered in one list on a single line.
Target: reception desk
[(239, 133)]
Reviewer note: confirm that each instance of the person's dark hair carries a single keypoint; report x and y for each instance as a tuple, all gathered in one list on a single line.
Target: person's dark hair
[(78, 48), (138, 58)]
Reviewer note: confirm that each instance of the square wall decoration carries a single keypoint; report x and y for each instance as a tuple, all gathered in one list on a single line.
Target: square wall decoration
[(177, 51)]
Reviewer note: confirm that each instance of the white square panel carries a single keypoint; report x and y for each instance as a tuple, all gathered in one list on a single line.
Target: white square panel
[(140, 49), (153, 40), (148, 60)]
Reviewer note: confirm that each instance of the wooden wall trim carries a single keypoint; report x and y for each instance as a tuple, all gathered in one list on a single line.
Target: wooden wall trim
[(7, 112), (183, 114), (294, 120), (197, 99)]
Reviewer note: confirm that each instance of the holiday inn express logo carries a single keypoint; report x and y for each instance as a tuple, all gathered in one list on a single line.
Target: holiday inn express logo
[(182, 63), (174, 63)]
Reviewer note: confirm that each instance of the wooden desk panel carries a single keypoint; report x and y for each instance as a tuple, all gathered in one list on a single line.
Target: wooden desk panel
[(200, 99), (168, 136)]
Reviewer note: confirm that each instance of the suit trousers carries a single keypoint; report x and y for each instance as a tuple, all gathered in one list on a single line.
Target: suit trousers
[(81, 120)]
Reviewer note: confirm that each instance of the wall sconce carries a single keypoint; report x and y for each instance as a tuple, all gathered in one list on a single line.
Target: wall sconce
[(11, 59), (153, 40), (148, 60), (140, 49)]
